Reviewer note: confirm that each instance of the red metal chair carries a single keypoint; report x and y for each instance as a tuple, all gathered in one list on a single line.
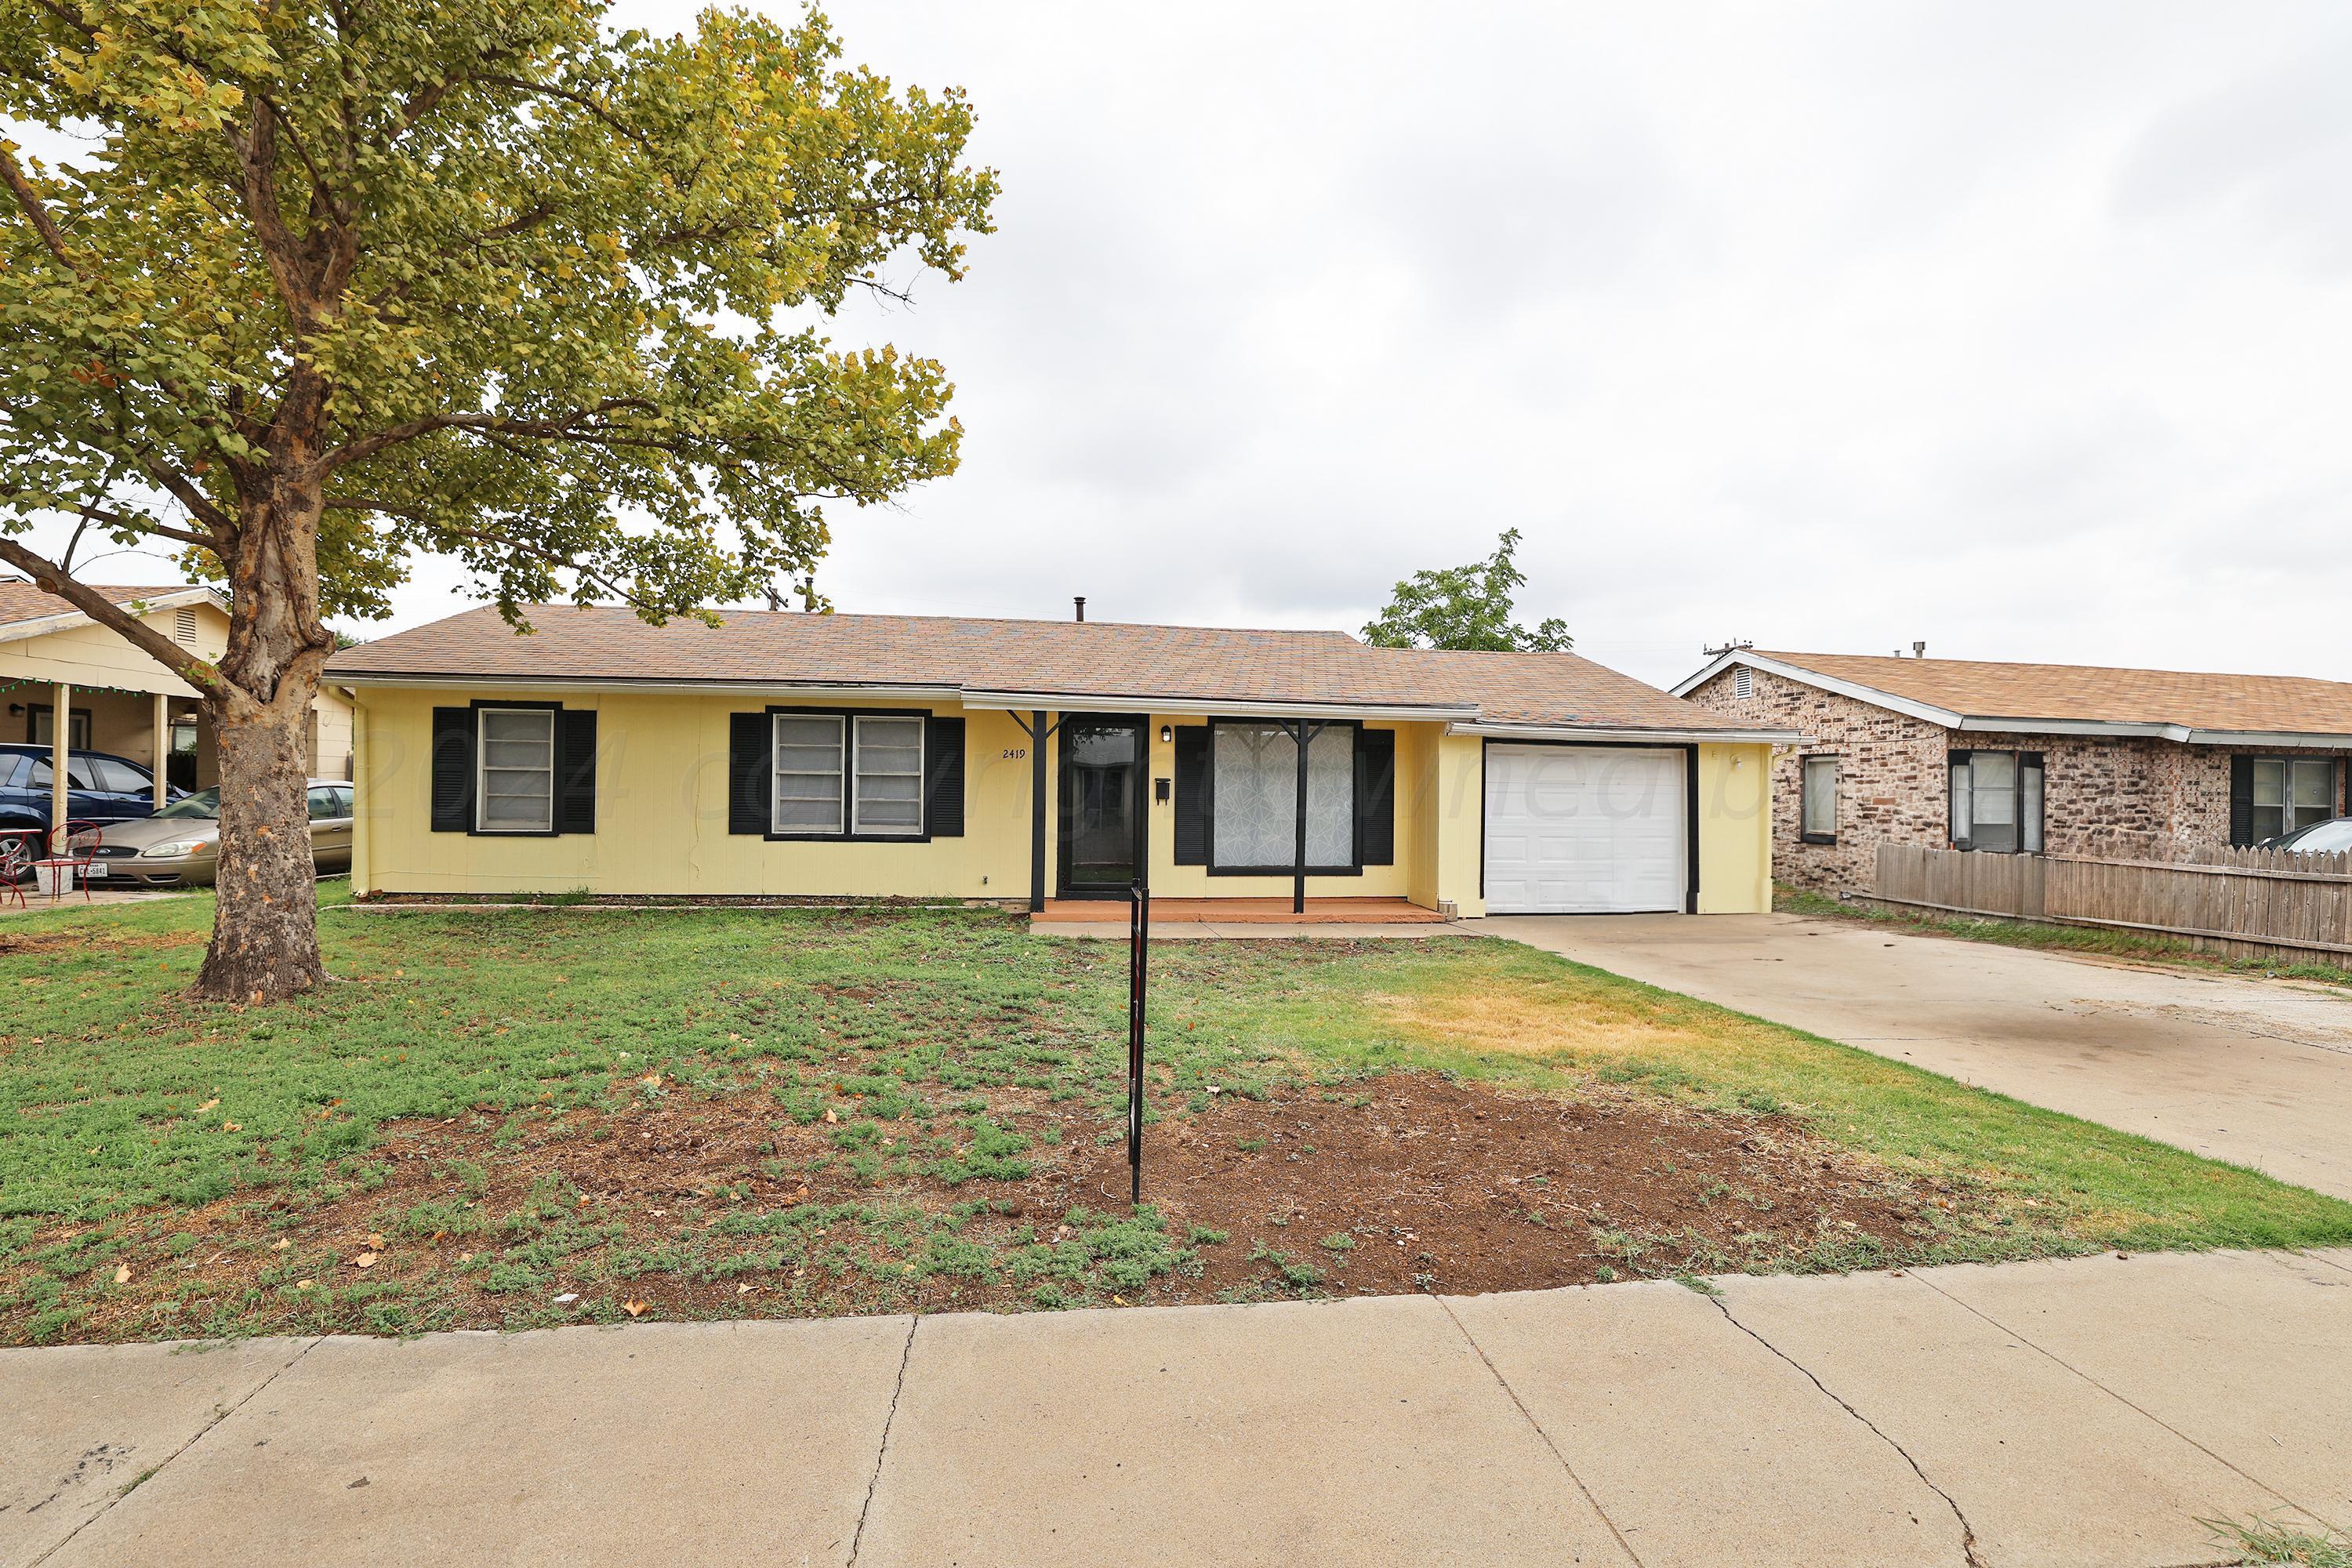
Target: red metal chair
[(19, 848), (76, 860)]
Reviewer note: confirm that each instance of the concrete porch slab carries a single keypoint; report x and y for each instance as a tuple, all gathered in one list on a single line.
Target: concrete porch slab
[(1739, 1459), (1342, 1433), (2048, 1470), (79, 1424), (701, 1444)]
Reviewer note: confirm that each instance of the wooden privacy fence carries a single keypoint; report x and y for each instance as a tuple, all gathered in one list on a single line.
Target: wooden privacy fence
[(2247, 902)]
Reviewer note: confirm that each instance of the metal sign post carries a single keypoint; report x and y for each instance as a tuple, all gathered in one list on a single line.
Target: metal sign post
[(1138, 938)]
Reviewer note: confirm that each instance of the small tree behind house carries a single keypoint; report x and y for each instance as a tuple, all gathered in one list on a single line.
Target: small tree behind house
[(1467, 607)]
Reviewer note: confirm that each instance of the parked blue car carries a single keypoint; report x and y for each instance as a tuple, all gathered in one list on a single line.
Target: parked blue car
[(100, 787)]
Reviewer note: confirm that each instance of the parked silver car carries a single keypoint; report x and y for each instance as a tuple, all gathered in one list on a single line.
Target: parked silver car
[(179, 845)]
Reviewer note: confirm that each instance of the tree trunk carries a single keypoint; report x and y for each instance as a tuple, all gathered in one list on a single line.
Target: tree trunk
[(266, 930)]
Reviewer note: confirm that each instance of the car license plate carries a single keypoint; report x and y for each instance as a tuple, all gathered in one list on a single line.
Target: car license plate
[(95, 870)]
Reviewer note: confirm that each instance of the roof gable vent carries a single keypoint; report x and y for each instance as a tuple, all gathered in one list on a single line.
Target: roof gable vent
[(183, 626), (1743, 682)]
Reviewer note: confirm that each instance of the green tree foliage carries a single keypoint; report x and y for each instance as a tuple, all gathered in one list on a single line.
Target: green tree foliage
[(1467, 607), (344, 281)]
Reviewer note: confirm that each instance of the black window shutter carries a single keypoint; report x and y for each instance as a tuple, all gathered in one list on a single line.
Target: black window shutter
[(1376, 795), (1191, 795), (750, 771), (453, 770), (575, 800), (943, 782), (2241, 800)]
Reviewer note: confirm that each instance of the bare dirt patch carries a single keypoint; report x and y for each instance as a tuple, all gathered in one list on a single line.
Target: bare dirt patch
[(726, 1206)]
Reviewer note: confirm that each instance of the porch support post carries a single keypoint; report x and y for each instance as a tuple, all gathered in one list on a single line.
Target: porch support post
[(162, 744), (1305, 731), (1038, 734), (60, 747)]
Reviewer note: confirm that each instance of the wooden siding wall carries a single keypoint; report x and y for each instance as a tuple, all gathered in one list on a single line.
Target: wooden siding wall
[(2245, 903)]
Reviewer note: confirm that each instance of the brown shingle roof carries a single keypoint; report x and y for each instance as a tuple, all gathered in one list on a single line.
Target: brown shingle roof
[(1092, 658), (1974, 689), (23, 601)]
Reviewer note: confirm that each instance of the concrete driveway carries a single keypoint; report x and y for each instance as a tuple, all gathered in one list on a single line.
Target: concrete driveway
[(2254, 1071)]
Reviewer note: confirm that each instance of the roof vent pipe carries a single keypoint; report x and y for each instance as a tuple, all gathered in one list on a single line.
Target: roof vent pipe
[(1918, 650), (1080, 600)]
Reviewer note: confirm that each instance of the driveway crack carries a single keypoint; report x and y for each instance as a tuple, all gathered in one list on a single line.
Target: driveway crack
[(220, 1414), (1529, 1415), (882, 1449), (1968, 1531)]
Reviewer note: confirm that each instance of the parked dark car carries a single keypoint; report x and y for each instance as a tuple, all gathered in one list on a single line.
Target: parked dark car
[(100, 787), (2332, 837)]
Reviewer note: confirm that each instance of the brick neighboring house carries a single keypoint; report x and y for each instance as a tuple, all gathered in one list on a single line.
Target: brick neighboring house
[(2066, 759)]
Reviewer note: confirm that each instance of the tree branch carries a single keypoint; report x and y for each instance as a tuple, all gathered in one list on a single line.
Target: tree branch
[(30, 200), (51, 579)]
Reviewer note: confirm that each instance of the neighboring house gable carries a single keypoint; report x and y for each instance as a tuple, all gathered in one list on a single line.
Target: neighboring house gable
[(114, 684), (2103, 761)]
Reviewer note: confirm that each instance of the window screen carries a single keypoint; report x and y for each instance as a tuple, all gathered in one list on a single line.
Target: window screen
[(889, 774), (1997, 801), (1256, 790), (808, 772), (518, 791), (1820, 797)]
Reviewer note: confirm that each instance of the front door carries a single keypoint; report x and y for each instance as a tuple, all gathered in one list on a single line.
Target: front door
[(1102, 805)]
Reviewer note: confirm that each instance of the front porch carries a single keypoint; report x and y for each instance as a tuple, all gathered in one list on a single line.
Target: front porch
[(1319, 913)]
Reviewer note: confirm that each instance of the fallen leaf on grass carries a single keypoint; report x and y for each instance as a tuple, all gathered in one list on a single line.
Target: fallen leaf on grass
[(211, 1104), (829, 1116), (375, 1242), (304, 1284), (281, 1245), (122, 1274), (635, 1309), (364, 1260), (232, 1126)]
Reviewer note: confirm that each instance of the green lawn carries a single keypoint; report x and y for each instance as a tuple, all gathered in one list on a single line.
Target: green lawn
[(515, 1118)]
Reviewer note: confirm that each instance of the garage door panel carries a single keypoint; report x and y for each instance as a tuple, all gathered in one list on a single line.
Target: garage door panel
[(1584, 830)]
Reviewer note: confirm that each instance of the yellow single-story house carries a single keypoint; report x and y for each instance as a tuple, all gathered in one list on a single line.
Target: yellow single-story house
[(117, 699), (930, 757)]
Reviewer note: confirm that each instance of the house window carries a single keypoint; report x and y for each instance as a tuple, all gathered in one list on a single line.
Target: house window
[(2292, 793), (889, 774), (516, 788), (42, 727), (848, 776), (1743, 682), (1997, 801), (809, 772), (1819, 825), (1254, 791)]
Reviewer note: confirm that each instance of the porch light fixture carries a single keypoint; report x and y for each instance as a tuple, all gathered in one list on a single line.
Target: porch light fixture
[(1167, 735)]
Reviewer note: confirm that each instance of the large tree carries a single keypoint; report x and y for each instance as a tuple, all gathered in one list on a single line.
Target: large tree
[(1467, 607), (341, 281)]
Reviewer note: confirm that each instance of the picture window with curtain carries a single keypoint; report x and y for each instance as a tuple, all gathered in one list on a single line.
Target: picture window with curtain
[(1995, 802), (1253, 788), (1820, 792)]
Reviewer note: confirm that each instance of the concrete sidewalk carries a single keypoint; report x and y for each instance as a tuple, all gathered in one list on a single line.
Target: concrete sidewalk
[(2078, 1412)]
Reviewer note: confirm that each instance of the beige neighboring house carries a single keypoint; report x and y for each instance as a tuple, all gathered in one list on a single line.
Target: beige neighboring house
[(54, 659)]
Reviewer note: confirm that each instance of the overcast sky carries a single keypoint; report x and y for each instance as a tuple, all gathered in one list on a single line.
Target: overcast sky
[(2023, 329)]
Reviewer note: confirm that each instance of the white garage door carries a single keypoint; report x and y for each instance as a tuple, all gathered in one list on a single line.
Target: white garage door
[(1575, 830)]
